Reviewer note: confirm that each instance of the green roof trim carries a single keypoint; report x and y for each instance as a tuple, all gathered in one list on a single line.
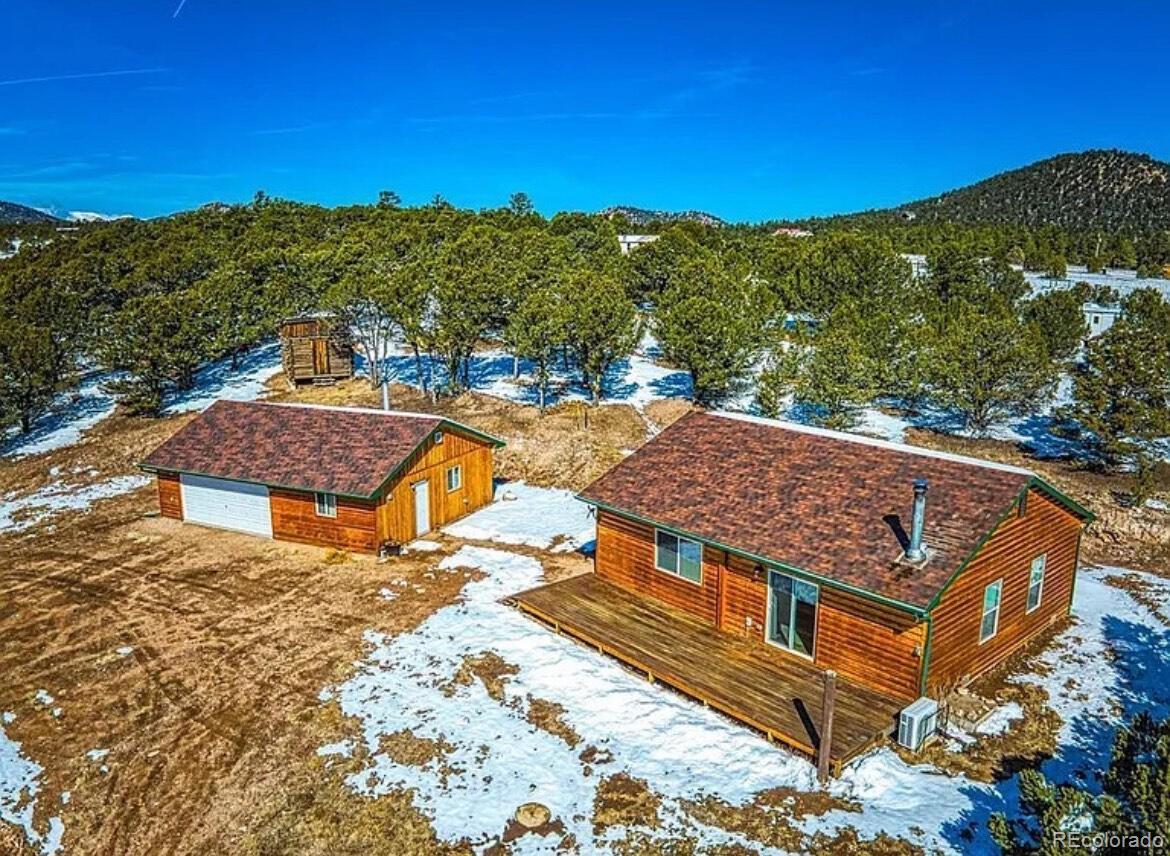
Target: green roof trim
[(916, 611), (1062, 498)]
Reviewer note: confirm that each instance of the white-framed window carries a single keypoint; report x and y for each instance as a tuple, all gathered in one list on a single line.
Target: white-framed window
[(326, 504), (1036, 581), (438, 437), (454, 478), (792, 613), (679, 556), (989, 623)]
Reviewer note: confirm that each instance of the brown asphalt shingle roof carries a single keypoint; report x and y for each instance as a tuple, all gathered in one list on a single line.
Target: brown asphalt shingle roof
[(328, 449), (822, 502)]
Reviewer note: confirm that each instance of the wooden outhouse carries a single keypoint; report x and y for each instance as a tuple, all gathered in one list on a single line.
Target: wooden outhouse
[(314, 349)]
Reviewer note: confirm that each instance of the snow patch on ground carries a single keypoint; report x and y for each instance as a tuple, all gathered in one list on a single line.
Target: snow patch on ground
[(532, 516), (1000, 720), (422, 546), (72, 414), (19, 785), (495, 760), (17, 514), (218, 381)]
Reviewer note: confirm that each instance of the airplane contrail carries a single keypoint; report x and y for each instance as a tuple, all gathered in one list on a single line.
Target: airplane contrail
[(83, 76), (182, 3)]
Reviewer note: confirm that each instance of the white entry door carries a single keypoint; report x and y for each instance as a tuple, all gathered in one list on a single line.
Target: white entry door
[(241, 506), (422, 507)]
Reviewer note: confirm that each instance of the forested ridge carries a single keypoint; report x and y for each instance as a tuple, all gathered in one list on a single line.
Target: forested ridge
[(1102, 191), (827, 325)]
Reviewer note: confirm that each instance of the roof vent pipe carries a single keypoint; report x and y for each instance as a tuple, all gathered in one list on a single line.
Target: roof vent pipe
[(916, 551)]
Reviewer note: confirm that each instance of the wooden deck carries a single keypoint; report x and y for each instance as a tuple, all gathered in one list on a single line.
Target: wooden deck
[(771, 691)]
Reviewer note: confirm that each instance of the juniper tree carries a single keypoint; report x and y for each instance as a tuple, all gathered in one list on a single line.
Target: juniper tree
[(709, 322), (988, 364), (601, 327)]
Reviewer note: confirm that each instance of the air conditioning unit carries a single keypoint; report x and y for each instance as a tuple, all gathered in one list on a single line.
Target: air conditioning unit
[(916, 722)]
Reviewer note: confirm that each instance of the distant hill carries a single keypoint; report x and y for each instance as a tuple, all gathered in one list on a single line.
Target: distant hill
[(10, 212), (1104, 189), (644, 216)]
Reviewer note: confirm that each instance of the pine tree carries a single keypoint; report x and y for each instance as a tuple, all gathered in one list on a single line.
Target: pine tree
[(538, 330), (1060, 319)]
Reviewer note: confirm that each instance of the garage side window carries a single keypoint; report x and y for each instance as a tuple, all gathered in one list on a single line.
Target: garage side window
[(326, 505), (678, 556), (454, 478)]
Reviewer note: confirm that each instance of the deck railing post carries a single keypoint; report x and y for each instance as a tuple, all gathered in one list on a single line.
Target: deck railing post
[(826, 743)]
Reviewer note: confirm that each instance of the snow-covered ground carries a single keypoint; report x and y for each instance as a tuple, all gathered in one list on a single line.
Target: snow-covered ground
[(533, 516), (72, 414), (218, 381), (490, 758), (636, 380), (19, 787), (18, 513), (1124, 281)]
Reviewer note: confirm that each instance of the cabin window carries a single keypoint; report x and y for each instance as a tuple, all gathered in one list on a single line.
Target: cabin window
[(679, 556), (454, 478), (989, 624), (1036, 581), (326, 505), (792, 613), (438, 437)]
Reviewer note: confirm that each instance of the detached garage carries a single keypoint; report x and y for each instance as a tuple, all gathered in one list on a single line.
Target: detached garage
[(343, 477)]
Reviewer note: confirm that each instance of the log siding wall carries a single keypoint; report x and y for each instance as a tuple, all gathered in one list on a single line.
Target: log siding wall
[(295, 518), (1045, 527), (431, 462), (873, 644)]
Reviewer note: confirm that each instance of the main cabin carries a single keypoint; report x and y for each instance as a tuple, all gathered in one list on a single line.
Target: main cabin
[(759, 555), (351, 478)]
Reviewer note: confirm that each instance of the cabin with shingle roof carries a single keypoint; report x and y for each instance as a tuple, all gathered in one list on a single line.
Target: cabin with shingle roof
[(757, 555), (345, 477)]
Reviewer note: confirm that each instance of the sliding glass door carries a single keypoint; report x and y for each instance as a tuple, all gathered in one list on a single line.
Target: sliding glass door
[(792, 613)]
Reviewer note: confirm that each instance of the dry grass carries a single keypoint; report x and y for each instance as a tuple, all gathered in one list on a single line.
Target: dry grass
[(569, 446), (492, 670), (1142, 592), (549, 716), (770, 817), (623, 800)]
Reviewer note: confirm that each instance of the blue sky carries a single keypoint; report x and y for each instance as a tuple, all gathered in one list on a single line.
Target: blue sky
[(748, 110)]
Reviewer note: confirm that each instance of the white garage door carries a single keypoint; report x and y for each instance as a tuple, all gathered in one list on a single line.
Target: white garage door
[(227, 504)]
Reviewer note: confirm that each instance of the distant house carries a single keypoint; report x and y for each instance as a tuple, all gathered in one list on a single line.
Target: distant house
[(631, 242), (1100, 317), (792, 232), (314, 349), (756, 555), (346, 477)]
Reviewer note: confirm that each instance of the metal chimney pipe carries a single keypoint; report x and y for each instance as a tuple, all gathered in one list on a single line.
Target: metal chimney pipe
[(385, 395), (916, 552)]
